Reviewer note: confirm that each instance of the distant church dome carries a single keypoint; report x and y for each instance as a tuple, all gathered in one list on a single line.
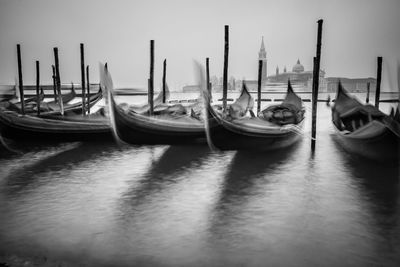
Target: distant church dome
[(298, 67)]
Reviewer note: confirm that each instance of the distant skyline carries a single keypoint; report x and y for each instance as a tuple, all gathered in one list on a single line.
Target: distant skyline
[(119, 32)]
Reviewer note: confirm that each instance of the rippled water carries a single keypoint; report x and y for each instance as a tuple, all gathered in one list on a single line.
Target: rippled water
[(103, 205)]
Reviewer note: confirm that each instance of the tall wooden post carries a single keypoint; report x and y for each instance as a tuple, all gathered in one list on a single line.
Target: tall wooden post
[(315, 87), (54, 82), (88, 89), (37, 88), (164, 80), (21, 82), (378, 82), (208, 77), (151, 79), (58, 80), (225, 77), (83, 79), (260, 63), (368, 89)]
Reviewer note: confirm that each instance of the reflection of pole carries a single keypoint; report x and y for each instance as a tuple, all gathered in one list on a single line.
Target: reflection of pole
[(317, 61), (260, 63), (151, 80), (37, 88), (21, 82), (225, 78), (368, 88), (378, 82), (83, 79)]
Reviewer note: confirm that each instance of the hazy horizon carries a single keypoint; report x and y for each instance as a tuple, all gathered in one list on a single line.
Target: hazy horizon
[(119, 32)]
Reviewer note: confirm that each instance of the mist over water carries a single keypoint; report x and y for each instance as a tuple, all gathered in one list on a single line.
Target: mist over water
[(103, 205)]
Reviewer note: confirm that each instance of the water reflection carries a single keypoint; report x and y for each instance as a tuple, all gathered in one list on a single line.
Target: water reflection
[(28, 176), (240, 209), (164, 171), (244, 172), (379, 187)]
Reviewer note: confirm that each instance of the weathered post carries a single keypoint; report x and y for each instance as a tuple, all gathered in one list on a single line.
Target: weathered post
[(54, 82), (37, 88), (368, 88), (260, 63), (150, 98), (208, 78), (58, 80), (164, 80), (151, 79), (83, 79), (88, 89), (225, 77), (378, 82), (315, 87), (21, 82)]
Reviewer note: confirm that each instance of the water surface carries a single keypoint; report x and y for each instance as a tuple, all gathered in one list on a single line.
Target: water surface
[(98, 204)]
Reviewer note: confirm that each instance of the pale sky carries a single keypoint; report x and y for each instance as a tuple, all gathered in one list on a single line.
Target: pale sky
[(119, 32)]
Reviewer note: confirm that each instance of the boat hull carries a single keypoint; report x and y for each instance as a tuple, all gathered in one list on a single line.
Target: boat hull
[(224, 138), (142, 129), (226, 135), (384, 146), (29, 128)]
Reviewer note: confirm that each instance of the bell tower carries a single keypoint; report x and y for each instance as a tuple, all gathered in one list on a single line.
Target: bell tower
[(262, 55)]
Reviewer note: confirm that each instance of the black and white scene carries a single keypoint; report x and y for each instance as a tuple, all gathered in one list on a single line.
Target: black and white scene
[(174, 133)]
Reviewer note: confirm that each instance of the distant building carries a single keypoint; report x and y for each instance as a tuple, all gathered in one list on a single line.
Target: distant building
[(298, 76), (351, 84)]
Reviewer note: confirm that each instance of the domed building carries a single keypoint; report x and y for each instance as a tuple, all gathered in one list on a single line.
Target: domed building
[(298, 67), (298, 76)]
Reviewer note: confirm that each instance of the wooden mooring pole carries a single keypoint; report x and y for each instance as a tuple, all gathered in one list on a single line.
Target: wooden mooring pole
[(225, 76), (208, 78), (58, 80), (378, 82), (151, 79), (88, 89), (20, 80), (164, 80), (260, 63), (82, 50), (37, 87), (54, 82), (368, 89), (315, 87)]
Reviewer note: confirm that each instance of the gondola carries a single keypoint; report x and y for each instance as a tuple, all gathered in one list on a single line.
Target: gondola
[(274, 128), (170, 124), (364, 129), (31, 103), (166, 128), (69, 128), (73, 108)]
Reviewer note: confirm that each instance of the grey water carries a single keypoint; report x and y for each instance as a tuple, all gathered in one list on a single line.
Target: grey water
[(99, 204)]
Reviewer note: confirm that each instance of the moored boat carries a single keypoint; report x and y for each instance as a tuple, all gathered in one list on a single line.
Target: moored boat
[(72, 108), (32, 128), (364, 129), (141, 128), (31, 103), (274, 128)]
